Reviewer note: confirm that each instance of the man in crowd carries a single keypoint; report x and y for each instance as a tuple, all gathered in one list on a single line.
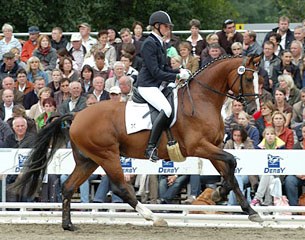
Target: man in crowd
[(9, 66), (8, 83), (99, 89), (87, 40), (77, 50), (251, 46), (58, 41), (30, 45)]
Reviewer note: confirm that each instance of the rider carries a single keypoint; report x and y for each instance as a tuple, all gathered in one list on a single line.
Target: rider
[(153, 72)]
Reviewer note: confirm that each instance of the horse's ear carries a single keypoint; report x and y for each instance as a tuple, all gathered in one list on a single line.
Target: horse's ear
[(256, 60)]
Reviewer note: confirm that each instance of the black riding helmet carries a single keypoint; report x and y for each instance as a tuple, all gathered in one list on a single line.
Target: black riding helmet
[(160, 17)]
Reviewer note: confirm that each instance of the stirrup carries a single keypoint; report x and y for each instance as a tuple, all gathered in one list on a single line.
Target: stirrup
[(152, 154)]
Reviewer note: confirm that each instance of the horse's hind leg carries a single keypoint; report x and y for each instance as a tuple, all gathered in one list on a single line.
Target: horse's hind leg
[(226, 167), (112, 167), (83, 169)]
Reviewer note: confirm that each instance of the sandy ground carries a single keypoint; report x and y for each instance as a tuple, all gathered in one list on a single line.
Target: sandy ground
[(97, 232)]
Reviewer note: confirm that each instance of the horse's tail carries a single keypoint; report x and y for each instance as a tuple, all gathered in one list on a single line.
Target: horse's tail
[(45, 144)]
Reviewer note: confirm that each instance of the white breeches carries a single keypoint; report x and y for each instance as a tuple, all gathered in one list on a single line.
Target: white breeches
[(156, 98)]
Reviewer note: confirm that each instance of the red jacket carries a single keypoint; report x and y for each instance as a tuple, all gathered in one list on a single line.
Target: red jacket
[(287, 137), (27, 50)]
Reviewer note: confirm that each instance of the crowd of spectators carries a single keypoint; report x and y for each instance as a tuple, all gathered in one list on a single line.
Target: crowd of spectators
[(47, 76)]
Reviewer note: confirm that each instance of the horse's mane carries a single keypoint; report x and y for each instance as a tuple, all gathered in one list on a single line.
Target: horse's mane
[(212, 62)]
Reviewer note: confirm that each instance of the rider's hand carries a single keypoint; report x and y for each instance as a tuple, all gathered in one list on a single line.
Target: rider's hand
[(184, 74)]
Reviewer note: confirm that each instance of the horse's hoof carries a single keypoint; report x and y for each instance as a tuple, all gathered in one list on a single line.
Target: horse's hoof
[(69, 227), (160, 222), (216, 197), (255, 218)]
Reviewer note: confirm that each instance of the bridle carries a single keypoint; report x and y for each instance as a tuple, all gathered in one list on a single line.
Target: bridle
[(240, 97)]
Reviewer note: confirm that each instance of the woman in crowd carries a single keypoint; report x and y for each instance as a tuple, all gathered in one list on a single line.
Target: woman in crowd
[(106, 48), (281, 105), (188, 61), (56, 76), (22, 84), (176, 62), (49, 107), (63, 52), (239, 140), (86, 78), (64, 93), (35, 69), (293, 94), (284, 133), (252, 131), (66, 67), (263, 195), (46, 54), (265, 120), (37, 108), (137, 28)]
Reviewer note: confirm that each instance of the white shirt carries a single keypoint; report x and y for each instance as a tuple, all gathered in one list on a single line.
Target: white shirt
[(158, 37), (8, 112)]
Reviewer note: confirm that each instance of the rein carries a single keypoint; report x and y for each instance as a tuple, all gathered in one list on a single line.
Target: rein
[(240, 97)]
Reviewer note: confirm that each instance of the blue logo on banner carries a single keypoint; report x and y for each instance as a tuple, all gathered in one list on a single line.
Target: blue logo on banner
[(168, 167), (274, 164), (21, 160), (127, 167)]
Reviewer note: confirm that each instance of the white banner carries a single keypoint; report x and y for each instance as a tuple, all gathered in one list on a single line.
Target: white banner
[(249, 162)]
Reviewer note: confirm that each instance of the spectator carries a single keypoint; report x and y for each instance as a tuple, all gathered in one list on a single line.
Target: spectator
[(87, 40), (188, 60), (228, 35), (31, 98), (86, 78), (212, 38), (58, 41), (269, 62), (63, 52), (37, 108), (299, 35), (263, 194), (125, 84), (176, 62), (284, 133), (281, 105), (114, 40), (35, 69), (17, 53), (115, 93), (98, 89), (198, 43), (76, 102), (292, 93), (46, 54), (287, 66), (298, 115), (296, 49), (276, 39), (293, 183), (137, 29), (6, 109), (8, 83), (250, 45), (90, 100), (9, 67), (100, 68), (283, 29), (118, 70), (106, 48), (239, 140), (49, 107), (127, 38), (9, 41), (129, 70), (22, 84), (136, 60), (5, 131), (66, 68), (56, 76), (252, 131), (77, 50), (214, 51), (30, 45), (237, 48), (63, 93), (265, 120)]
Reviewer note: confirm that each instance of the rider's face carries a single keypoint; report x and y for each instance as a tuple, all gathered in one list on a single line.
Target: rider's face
[(165, 29)]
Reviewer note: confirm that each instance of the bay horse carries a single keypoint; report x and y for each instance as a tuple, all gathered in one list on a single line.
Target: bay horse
[(98, 136)]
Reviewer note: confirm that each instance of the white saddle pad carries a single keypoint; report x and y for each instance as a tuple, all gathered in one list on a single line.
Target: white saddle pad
[(134, 115)]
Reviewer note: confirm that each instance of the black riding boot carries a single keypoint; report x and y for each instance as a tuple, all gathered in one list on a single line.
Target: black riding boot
[(156, 131)]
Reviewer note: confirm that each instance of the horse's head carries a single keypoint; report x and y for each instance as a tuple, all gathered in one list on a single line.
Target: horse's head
[(244, 83)]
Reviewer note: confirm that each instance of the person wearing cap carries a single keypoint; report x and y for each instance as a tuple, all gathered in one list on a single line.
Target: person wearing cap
[(9, 67), (77, 50), (115, 93), (87, 40), (30, 45), (228, 35), (154, 71), (9, 41)]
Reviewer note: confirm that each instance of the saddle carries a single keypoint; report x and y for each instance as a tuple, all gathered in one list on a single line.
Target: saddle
[(167, 92)]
